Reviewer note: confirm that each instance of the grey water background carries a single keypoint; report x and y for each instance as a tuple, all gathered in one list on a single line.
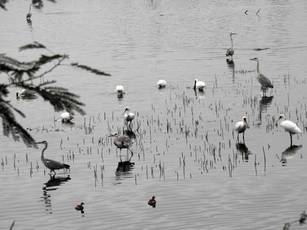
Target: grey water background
[(190, 137)]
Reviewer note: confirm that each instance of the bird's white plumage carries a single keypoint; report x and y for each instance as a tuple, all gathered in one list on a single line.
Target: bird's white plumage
[(119, 88), (241, 126), (129, 116), (66, 116), (161, 83), (199, 85), (290, 127)]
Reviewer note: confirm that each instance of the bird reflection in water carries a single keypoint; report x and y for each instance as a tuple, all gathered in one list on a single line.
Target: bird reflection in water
[(242, 148), (289, 153), (264, 104), (124, 169), (52, 185)]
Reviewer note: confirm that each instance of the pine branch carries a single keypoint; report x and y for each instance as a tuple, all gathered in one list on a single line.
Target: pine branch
[(90, 69), (12, 127), (60, 98), (34, 45), (2, 4)]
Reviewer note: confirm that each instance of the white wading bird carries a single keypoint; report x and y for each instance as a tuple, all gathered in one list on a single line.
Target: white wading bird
[(241, 126), (289, 126)]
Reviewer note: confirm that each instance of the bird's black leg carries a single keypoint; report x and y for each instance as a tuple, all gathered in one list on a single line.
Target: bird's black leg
[(131, 154), (243, 138), (238, 137), (290, 139), (120, 155)]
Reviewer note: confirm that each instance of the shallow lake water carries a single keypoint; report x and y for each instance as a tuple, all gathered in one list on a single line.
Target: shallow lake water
[(185, 152)]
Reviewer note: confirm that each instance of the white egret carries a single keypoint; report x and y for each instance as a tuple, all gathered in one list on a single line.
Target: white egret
[(161, 84), (199, 85), (122, 142), (289, 126), (66, 117), (120, 91), (129, 116), (263, 80), (241, 126), (51, 164)]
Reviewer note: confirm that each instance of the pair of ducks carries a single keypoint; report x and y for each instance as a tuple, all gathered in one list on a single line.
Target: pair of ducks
[(288, 125)]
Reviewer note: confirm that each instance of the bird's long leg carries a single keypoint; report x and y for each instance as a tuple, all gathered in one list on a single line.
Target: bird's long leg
[(290, 139), (131, 154), (120, 155), (238, 137), (243, 138)]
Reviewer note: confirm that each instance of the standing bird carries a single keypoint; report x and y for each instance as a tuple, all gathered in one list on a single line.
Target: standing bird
[(51, 164), (230, 51), (241, 126), (128, 116), (289, 126), (66, 117), (120, 90), (161, 84), (263, 80), (122, 142), (199, 85), (29, 15)]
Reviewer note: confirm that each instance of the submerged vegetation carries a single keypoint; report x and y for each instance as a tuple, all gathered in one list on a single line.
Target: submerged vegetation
[(24, 75)]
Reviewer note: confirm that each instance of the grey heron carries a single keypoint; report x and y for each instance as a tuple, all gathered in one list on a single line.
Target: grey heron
[(122, 142), (230, 51), (289, 126), (263, 80), (51, 164), (241, 126)]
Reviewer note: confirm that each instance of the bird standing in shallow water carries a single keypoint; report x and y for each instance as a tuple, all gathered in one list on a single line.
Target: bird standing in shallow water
[(230, 51), (199, 85), (263, 80), (122, 142), (128, 116), (51, 164), (120, 90), (289, 126), (161, 84), (66, 117), (152, 202), (241, 126)]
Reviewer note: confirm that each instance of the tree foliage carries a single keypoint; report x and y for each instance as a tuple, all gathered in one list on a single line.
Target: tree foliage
[(23, 75)]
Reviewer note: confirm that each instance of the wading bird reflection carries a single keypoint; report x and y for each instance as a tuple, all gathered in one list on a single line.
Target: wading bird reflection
[(289, 153)]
